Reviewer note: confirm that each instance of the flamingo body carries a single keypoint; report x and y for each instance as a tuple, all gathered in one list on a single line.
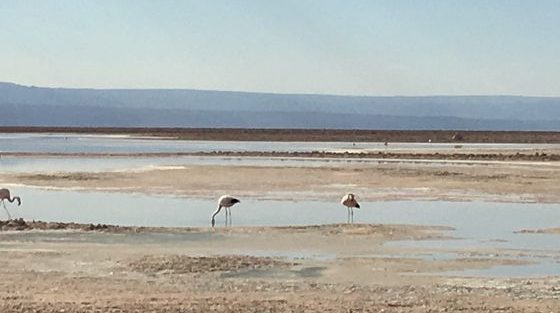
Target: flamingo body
[(350, 202), (226, 202), (5, 195)]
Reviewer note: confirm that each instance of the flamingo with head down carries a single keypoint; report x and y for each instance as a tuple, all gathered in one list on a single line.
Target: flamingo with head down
[(5, 195), (224, 202)]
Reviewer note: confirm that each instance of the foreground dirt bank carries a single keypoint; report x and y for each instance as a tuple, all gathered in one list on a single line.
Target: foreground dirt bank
[(205, 270), (381, 232)]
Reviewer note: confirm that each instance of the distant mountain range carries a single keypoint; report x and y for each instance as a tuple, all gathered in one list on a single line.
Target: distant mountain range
[(36, 106)]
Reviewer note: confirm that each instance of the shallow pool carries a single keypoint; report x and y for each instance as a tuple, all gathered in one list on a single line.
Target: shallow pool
[(484, 226)]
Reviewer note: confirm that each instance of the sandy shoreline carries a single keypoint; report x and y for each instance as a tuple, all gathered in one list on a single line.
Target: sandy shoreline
[(555, 230), (508, 182)]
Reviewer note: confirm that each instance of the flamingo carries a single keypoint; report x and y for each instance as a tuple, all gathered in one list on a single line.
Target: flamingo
[(350, 202), (226, 202), (5, 195)]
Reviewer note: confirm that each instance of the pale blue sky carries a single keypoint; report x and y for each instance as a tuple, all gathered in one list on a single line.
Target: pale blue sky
[(367, 47)]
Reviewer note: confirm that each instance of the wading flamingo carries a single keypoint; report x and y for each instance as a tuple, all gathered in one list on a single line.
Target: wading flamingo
[(5, 195), (225, 202), (350, 202)]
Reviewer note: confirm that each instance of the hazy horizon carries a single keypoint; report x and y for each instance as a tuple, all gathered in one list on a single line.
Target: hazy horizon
[(283, 93), (200, 108)]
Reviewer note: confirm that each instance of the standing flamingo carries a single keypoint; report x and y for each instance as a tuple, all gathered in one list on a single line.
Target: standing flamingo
[(5, 195), (225, 202), (350, 202)]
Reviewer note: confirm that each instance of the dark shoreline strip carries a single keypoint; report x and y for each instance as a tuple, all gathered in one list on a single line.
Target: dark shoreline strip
[(314, 154), (321, 135)]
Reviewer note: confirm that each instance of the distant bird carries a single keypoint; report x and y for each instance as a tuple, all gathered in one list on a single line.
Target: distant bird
[(457, 137), (350, 202), (225, 202), (5, 195)]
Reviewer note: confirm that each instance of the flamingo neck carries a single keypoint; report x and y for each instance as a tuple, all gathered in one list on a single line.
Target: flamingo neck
[(15, 199), (215, 213)]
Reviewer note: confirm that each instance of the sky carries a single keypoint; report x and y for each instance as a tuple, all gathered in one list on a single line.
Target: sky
[(348, 47)]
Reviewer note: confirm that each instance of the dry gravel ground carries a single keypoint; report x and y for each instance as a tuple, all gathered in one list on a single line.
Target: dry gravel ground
[(205, 270)]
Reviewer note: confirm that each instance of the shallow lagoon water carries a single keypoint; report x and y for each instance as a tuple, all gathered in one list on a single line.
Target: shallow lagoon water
[(72, 143), (33, 164), (481, 225), (78, 143), (481, 220)]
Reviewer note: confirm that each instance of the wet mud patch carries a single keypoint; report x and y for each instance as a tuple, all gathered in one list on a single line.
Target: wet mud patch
[(417, 232), (79, 176), (277, 272), (22, 225), (184, 264)]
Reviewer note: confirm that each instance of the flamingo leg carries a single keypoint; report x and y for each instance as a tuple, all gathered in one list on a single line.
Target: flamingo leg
[(348, 215), (226, 209), (352, 214), (229, 212), (5, 208)]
